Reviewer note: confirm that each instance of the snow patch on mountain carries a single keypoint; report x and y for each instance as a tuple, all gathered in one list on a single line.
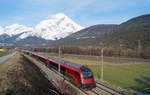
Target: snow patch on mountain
[(15, 29)]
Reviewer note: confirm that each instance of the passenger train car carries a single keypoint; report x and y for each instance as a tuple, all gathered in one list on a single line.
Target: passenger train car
[(80, 75)]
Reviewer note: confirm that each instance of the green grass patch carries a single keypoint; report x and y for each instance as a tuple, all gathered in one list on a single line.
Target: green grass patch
[(124, 76)]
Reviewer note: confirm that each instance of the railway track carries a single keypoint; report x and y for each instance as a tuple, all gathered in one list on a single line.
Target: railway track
[(99, 90), (108, 89), (104, 90)]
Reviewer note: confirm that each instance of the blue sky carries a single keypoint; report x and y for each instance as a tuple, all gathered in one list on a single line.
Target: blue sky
[(83, 12)]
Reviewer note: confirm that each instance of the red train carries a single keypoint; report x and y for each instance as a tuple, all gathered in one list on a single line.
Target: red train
[(80, 75)]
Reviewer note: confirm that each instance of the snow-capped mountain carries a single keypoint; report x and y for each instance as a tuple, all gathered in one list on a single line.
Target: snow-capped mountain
[(54, 27)]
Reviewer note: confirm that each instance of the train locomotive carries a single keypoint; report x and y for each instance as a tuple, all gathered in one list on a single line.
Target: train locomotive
[(79, 75)]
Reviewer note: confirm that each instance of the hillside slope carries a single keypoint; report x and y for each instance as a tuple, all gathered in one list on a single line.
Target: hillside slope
[(128, 34), (84, 36)]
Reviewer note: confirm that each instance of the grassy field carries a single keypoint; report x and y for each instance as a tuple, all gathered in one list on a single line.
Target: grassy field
[(129, 73), (4, 52), (18, 76)]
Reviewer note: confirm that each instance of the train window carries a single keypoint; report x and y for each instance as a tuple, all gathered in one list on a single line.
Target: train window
[(62, 70), (55, 66), (85, 69), (86, 72), (52, 65), (87, 75), (77, 74)]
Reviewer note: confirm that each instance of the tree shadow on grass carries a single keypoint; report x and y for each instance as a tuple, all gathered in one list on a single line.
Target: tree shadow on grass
[(143, 84)]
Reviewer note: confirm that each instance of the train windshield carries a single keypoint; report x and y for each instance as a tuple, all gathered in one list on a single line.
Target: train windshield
[(86, 72), (87, 75)]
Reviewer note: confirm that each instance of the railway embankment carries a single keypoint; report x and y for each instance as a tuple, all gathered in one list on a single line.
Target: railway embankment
[(18, 76)]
